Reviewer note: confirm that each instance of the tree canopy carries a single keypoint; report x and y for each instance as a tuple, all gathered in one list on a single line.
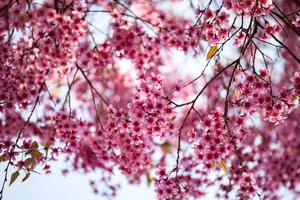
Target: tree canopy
[(98, 82)]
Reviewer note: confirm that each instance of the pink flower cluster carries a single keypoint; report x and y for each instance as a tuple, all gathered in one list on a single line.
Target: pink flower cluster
[(254, 93), (246, 186), (214, 144), (130, 134), (249, 7)]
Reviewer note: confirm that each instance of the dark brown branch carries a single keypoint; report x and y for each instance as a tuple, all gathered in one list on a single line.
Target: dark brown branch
[(91, 85)]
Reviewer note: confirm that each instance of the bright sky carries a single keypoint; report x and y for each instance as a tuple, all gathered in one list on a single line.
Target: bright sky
[(73, 187)]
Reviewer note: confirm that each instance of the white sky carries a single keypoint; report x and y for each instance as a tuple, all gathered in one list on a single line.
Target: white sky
[(73, 187)]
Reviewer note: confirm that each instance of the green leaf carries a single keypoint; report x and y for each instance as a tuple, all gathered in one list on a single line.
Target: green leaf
[(166, 147), (2, 157), (36, 154), (214, 163), (149, 178), (29, 161), (223, 166), (26, 177), (294, 98), (14, 177), (213, 50), (47, 146), (34, 145)]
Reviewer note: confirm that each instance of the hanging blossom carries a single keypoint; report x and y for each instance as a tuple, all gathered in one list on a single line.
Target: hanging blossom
[(130, 134)]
